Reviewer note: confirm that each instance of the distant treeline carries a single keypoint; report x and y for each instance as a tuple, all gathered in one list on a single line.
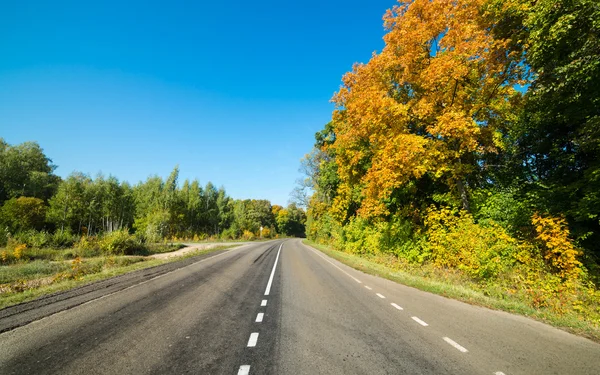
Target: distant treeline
[(33, 198)]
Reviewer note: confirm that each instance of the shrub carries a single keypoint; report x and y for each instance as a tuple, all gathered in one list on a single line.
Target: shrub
[(119, 242), (35, 238), (248, 236), (62, 239), (504, 209), (266, 233), (229, 234), (456, 241), (559, 251)]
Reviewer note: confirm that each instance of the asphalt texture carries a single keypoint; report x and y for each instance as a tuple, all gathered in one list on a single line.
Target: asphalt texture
[(210, 315)]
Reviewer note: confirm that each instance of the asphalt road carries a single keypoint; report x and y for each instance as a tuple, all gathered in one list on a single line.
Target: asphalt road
[(278, 307)]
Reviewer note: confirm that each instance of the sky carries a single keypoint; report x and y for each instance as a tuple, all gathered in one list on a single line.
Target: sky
[(232, 92)]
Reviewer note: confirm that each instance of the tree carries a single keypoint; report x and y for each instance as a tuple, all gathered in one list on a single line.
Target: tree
[(430, 105), (26, 171), (23, 213), (70, 204), (559, 133)]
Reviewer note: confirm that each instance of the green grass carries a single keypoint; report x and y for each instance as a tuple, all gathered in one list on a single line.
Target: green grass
[(47, 277), (452, 285)]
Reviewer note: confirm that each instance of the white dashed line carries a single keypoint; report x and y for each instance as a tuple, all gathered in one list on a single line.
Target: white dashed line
[(253, 339), (268, 290), (453, 343), (420, 321), (259, 317), (244, 370), (327, 260), (380, 295), (396, 306), (368, 287), (264, 302)]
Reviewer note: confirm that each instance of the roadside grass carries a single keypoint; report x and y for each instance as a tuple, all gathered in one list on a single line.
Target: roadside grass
[(452, 285), (27, 280)]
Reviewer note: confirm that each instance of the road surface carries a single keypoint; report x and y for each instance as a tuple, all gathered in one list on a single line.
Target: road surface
[(278, 307)]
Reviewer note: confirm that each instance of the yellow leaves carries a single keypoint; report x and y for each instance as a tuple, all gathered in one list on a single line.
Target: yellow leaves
[(18, 251), (456, 125), (553, 235), (456, 241), (437, 92)]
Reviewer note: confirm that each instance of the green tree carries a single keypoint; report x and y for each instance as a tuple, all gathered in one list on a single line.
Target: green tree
[(26, 171), (23, 213), (559, 136)]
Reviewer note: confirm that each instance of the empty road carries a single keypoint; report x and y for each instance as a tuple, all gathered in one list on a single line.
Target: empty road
[(277, 307)]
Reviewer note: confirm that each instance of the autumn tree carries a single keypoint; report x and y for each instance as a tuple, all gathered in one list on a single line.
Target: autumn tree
[(433, 103)]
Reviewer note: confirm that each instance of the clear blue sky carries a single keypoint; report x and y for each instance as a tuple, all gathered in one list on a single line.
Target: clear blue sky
[(232, 92)]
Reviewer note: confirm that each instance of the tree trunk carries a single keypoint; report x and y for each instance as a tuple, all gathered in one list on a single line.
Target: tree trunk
[(464, 196)]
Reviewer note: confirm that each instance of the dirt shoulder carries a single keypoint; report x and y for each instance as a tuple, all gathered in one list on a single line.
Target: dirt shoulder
[(190, 247)]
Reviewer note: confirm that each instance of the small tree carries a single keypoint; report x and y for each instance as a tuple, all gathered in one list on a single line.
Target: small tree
[(24, 213)]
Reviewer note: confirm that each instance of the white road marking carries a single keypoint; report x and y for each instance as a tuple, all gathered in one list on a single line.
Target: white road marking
[(259, 317), (327, 260), (368, 287), (268, 290), (420, 321), (253, 339), (380, 295), (499, 373), (244, 370), (264, 302), (396, 306), (453, 343)]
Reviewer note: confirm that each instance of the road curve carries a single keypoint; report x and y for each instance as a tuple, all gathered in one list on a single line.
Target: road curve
[(281, 307)]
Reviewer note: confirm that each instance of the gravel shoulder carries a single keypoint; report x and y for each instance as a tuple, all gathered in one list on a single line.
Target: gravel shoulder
[(190, 247)]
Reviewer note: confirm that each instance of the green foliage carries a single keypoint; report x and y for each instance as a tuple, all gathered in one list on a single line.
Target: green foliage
[(25, 171), (558, 136), (63, 239), (120, 242), (290, 221), (503, 208), (23, 213)]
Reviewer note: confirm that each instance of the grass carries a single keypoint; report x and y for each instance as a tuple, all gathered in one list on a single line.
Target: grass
[(453, 285), (28, 280)]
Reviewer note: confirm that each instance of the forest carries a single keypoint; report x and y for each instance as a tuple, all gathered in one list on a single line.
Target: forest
[(468, 150), (41, 210)]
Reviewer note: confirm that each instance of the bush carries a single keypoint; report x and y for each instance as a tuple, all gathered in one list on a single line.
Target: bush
[(456, 241), (229, 234), (62, 239), (248, 236), (504, 209), (33, 238), (266, 233), (559, 251), (120, 242)]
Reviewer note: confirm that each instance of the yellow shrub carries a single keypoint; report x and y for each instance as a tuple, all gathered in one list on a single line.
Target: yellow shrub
[(559, 251), (456, 241), (266, 233), (18, 251), (247, 235)]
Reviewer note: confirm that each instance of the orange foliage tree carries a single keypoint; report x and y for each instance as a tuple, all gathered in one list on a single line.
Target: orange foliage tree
[(434, 102)]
